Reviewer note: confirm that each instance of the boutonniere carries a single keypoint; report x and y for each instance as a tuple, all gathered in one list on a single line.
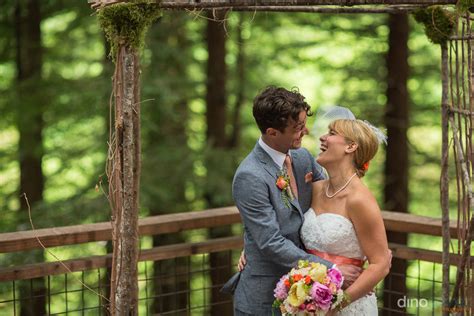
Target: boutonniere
[(283, 183)]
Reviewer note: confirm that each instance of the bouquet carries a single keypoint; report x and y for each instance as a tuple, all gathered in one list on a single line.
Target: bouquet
[(309, 289)]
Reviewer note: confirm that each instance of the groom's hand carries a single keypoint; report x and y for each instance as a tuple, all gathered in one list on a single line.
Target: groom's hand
[(242, 261), (350, 273)]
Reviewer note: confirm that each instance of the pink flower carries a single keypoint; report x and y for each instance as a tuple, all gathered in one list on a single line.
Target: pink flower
[(336, 277), (281, 290), (302, 307), (310, 307), (321, 295)]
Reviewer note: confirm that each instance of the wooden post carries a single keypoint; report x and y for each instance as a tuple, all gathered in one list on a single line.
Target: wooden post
[(444, 180), (124, 179), (125, 26)]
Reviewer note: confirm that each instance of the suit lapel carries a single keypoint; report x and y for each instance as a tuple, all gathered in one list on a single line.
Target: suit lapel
[(271, 167), (267, 162), (297, 206)]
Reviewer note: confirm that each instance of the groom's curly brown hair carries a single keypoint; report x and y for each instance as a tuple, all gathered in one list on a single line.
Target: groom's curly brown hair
[(274, 106)]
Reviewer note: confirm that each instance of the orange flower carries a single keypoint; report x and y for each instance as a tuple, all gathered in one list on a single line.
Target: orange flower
[(365, 166), (281, 183), (287, 283), (297, 277), (307, 279)]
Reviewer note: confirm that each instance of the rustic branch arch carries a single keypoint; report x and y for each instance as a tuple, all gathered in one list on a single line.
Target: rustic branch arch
[(457, 110)]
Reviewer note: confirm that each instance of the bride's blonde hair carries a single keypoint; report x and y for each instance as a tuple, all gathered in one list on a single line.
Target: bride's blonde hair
[(358, 132)]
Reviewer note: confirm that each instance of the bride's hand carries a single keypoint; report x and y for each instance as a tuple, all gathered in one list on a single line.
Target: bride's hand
[(331, 312), (242, 261), (350, 273)]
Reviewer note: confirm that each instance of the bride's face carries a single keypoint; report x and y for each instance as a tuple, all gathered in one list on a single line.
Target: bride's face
[(333, 148)]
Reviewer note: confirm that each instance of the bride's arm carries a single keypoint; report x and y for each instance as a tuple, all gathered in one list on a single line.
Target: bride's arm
[(368, 222)]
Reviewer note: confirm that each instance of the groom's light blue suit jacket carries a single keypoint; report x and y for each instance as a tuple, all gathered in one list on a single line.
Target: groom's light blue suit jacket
[(271, 229)]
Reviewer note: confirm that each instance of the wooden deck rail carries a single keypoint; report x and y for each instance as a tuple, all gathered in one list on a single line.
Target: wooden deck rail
[(171, 223), (163, 224)]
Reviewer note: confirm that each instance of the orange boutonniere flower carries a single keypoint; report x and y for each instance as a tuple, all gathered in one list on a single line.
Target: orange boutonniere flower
[(283, 183)]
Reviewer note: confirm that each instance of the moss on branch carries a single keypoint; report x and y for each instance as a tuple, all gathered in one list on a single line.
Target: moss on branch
[(127, 23), (438, 22), (464, 5)]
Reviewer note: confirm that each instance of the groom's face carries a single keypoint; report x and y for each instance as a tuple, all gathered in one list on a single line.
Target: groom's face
[(293, 134)]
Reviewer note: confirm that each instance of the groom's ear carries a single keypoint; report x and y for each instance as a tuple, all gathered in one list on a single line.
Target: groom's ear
[(351, 147), (271, 131)]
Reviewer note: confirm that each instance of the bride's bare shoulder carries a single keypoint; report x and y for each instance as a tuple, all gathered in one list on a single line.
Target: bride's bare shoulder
[(362, 201)]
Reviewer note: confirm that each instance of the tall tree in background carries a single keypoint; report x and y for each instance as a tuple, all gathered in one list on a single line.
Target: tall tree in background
[(29, 60), (396, 165), (216, 119), (239, 87), (166, 150)]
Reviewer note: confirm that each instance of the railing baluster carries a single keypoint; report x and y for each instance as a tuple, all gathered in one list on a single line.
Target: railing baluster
[(99, 289), (146, 288), (49, 295), (188, 286), (82, 293), (14, 298), (65, 292)]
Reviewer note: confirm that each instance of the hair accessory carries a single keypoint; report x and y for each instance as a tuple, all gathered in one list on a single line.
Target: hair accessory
[(381, 137), (365, 166), (328, 114)]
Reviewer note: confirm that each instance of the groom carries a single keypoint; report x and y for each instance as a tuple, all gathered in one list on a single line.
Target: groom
[(272, 217)]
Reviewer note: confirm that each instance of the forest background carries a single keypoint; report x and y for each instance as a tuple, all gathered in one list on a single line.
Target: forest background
[(199, 77)]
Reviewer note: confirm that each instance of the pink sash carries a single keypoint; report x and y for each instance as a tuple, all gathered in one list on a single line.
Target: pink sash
[(336, 259)]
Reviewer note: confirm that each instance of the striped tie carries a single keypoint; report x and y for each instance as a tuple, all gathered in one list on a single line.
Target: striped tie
[(289, 170)]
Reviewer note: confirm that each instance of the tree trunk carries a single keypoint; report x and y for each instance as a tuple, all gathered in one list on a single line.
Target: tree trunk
[(216, 96), (124, 179), (396, 166), (444, 178), (106, 113), (167, 145), (216, 103), (240, 94), (29, 60)]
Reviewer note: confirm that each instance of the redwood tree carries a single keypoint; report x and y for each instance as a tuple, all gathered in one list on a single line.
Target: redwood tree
[(166, 144), (397, 164), (216, 114), (29, 61)]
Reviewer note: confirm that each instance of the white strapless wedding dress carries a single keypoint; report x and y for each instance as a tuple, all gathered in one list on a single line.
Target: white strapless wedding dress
[(335, 234)]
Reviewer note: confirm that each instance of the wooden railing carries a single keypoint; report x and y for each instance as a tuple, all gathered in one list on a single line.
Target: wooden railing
[(172, 223)]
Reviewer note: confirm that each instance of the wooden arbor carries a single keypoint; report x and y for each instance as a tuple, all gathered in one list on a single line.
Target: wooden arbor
[(118, 17)]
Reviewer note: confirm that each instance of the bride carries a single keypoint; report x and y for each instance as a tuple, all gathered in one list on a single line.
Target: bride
[(344, 224)]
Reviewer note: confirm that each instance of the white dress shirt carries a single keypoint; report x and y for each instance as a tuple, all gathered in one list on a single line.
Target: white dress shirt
[(277, 156)]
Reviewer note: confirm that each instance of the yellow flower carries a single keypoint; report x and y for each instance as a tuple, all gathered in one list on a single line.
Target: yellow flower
[(297, 294), (318, 273)]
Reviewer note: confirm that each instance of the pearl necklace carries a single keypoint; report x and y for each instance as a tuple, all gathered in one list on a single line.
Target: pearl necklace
[(342, 188)]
